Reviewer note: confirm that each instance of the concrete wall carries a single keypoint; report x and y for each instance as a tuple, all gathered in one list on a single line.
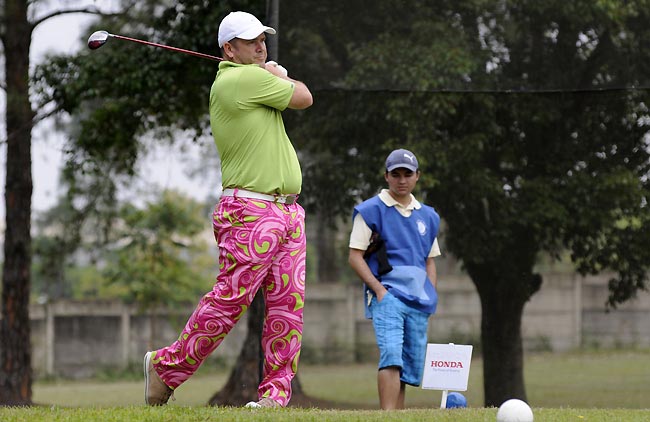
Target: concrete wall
[(78, 339), (628, 325)]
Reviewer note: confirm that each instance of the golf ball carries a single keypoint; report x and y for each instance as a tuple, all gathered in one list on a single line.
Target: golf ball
[(514, 410)]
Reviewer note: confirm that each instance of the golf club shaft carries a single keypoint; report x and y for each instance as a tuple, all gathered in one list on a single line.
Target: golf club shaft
[(167, 47)]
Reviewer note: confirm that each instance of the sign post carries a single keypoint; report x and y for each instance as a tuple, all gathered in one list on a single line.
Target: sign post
[(446, 367)]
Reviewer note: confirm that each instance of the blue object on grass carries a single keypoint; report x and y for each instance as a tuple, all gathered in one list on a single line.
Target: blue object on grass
[(455, 399)]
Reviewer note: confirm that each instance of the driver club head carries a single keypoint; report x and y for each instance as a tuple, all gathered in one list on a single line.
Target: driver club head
[(97, 39)]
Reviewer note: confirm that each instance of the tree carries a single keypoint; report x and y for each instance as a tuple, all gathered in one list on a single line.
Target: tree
[(155, 254), (15, 354), (81, 223), (529, 140), (59, 236), (15, 372)]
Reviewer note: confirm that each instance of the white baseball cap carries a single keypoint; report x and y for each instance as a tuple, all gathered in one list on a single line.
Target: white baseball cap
[(241, 25)]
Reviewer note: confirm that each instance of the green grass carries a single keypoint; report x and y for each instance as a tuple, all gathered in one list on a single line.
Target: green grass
[(600, 379), (593, 386), (177, 413)]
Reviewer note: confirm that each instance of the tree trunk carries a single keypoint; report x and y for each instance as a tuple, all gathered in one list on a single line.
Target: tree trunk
[(501, 340), (273, 20), (328, 268), (503, 366), (15, 353)]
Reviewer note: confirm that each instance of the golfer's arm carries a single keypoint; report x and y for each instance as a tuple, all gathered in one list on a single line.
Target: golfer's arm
[(301, 98), (432, 272), (359, 265)]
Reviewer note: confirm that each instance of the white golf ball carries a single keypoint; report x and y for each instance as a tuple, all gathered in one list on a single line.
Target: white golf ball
[(514, 410)]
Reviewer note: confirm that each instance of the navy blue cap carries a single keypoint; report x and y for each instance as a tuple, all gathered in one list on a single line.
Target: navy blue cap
[(401, 158)]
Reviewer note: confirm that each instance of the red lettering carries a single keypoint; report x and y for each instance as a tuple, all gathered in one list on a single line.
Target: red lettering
[(446, 364)]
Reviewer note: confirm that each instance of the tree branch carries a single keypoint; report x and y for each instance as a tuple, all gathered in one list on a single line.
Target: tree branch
[(90, 10), (35, 120), (40, 117)]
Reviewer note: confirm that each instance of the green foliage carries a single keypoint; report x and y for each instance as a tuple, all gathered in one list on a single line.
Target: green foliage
[(125, 90), (70, 238), (527, 141), (81, 253), (87, 282), (155, 251), (117, 97), (59, 236)]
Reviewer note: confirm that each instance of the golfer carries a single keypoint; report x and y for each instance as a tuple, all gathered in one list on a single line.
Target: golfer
[(392, 248), (258, 225)]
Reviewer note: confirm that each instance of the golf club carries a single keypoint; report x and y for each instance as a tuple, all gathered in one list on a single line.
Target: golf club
[(99, 38)]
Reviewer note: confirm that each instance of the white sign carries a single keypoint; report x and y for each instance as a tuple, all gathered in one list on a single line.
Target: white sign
[(446, 367)]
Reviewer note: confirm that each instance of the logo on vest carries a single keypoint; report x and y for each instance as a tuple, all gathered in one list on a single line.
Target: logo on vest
[(422, 228)]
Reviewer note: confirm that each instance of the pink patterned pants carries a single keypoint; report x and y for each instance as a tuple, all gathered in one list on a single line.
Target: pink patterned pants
[(261, 244)]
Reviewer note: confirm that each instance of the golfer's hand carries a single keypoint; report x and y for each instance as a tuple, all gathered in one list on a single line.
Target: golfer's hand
[(276, 69)]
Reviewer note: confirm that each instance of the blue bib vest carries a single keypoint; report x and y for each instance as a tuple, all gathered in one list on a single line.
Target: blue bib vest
[(408, 241)]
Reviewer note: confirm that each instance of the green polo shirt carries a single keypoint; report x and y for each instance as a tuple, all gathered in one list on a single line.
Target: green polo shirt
[(245, 115)]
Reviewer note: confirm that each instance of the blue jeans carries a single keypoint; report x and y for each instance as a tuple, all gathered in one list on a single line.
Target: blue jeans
[(401, 334)]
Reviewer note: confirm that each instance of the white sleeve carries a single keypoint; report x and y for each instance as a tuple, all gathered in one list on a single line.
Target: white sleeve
[(435, 249), (361, 233)]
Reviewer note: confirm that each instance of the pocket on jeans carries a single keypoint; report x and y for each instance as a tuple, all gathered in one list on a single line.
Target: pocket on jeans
[(388, 295)]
